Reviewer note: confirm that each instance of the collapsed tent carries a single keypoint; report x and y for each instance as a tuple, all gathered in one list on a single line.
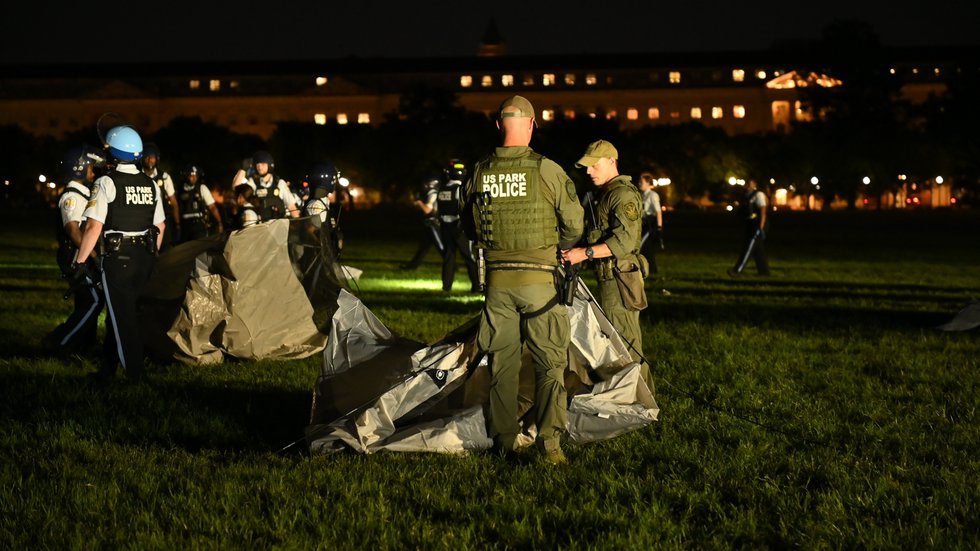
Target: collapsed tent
[(379, 391), (266, 291), (967, 318)]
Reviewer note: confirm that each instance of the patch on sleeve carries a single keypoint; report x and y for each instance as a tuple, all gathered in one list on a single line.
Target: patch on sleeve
[(632, 211), (70, 203), (570, 190)]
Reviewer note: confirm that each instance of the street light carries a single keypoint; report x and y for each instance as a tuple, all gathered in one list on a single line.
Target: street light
[(939, 180), (814, 180), (866, 180)]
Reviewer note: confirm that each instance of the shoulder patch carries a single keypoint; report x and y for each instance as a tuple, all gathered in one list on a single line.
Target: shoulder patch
[(69, 202), (570, 189), (631, 210)]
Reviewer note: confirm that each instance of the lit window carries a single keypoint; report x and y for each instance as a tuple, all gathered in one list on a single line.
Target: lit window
[(195, 84), (341, 118), (320, 118), (675, 77), (610, 115), (321, 81), (592, 115), (214, 85), (892, 70), (915, 71), (695, 112), (528, 80), (717, 112), (570, 79), (363, 118), (632, 113), (760, 74), (233, 84), (507, 80), (590, 79), (487, 80), (653, 113), (739, 111), (738, 75), (547, 114), (936, 70), (548, 79), (570, 114), (675, 114), (466, 81)]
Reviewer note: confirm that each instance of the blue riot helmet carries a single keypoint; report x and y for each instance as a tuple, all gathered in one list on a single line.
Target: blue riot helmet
[(124, 144), (263, 157), (74, 165), (322, 178), (455, 170)]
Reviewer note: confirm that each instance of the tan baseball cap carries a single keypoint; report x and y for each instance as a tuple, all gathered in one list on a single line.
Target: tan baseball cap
[(597, 150), (522, 105)]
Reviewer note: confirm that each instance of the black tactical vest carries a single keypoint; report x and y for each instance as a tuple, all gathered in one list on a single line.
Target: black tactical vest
[(448, 200), (748, 209), (135, 204), (269, 204), (190, 200)]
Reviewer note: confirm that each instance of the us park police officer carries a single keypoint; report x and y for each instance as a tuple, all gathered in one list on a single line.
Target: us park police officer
[(519, 208), (125, 217)]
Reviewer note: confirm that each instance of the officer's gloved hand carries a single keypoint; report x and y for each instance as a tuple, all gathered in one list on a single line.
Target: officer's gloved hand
[(761, 233), (84, 273)]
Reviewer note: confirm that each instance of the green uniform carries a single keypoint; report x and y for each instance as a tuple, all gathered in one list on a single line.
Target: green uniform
[(620, 219), (532, 208)]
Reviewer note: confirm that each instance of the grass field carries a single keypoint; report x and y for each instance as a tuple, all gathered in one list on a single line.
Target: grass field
[(814, 408)]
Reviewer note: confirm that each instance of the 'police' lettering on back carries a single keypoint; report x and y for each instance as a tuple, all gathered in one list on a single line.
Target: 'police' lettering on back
[(139, 195), (507, 184)]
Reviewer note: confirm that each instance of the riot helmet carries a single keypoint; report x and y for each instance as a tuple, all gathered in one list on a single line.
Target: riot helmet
[(322, 178), (430, 182), (260, 157), (455, 170), (124, 144), (74, 165), (189, 170)]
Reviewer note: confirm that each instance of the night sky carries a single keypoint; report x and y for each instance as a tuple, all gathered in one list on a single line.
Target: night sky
[(181, 30)]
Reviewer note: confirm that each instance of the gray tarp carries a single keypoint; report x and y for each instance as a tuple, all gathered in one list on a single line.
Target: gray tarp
[(378, 391), (965, 319), (246, 301)]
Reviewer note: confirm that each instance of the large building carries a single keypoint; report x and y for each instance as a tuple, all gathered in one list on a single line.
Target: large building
[(744, 92)]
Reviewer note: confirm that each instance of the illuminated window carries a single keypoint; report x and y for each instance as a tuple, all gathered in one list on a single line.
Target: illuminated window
[(717, 112), (341, 118), (653, 113), (214, 85), (590, 79), (936, 70), (547, 114), (570, 79), (507, 80), (610, 115), (760, 74), (487, 80), (321, 81), (632, 113), (466, 81), (233, 84), (320, 118), (892, 70), (548, 79), (675, 77), (195, 84), (363, 118), (695, 112), (570, 114), (528, 80), (915, 71), (675, 114), (739, 111), (738, 75)]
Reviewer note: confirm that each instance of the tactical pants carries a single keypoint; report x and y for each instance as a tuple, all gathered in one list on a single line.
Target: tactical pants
[(453, 240), (753, 246), (428, 240), (80, 329), (651, 242), (123, 276), (503, 334), (627, 322)]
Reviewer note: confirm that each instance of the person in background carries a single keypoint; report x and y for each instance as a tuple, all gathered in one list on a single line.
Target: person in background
[(247, 216), (426, 201), (754, 212), (197, 206), (150, 160), (653, 221), (453, 237)]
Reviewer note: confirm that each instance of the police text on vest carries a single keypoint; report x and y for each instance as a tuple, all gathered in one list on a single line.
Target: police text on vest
[(512, 184), (139, 195)]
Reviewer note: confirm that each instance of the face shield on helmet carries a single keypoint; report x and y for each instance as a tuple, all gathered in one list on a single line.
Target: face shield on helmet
[(74, 165), (456, 170), (124, 144)]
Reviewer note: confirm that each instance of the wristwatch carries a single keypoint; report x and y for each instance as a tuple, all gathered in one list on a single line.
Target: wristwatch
[(589, 252)]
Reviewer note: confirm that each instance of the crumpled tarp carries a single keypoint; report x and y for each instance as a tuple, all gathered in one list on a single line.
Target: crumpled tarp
[(378, 391), (966, 319)]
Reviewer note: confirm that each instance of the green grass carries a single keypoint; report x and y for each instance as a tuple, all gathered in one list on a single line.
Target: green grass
[(814, 408)]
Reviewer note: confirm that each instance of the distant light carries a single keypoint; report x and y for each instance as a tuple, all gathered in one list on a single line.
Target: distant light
[(42, 178), (731, 181), (354, 192), (740, 182), (51, 185), (915, 200), (866, 180), (902, 177), (772, 181), (952, 200), (663, 181), (814, 180), (320, 81), (729, 208), (939, 180), (817, 186), (761, 74), (344, 182), (6, 182)]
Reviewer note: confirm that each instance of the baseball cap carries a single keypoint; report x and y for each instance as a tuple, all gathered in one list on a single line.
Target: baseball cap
[(522, 105), (597, 150)]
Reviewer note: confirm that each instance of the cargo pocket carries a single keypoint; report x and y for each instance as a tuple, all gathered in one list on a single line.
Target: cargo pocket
[(629, 279)]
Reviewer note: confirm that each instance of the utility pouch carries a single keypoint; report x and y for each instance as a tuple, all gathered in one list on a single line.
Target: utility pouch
[(629, 280), (150, 240), (111, 243)]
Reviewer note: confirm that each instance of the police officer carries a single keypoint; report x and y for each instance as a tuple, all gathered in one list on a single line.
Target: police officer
[(521, 206), (323, 181), (149, 160), (453, 237), (80, 328), (614, 247), (272, 198), (754, 211), (196, 204), (125, 214), (653, 221), (427, 202)]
